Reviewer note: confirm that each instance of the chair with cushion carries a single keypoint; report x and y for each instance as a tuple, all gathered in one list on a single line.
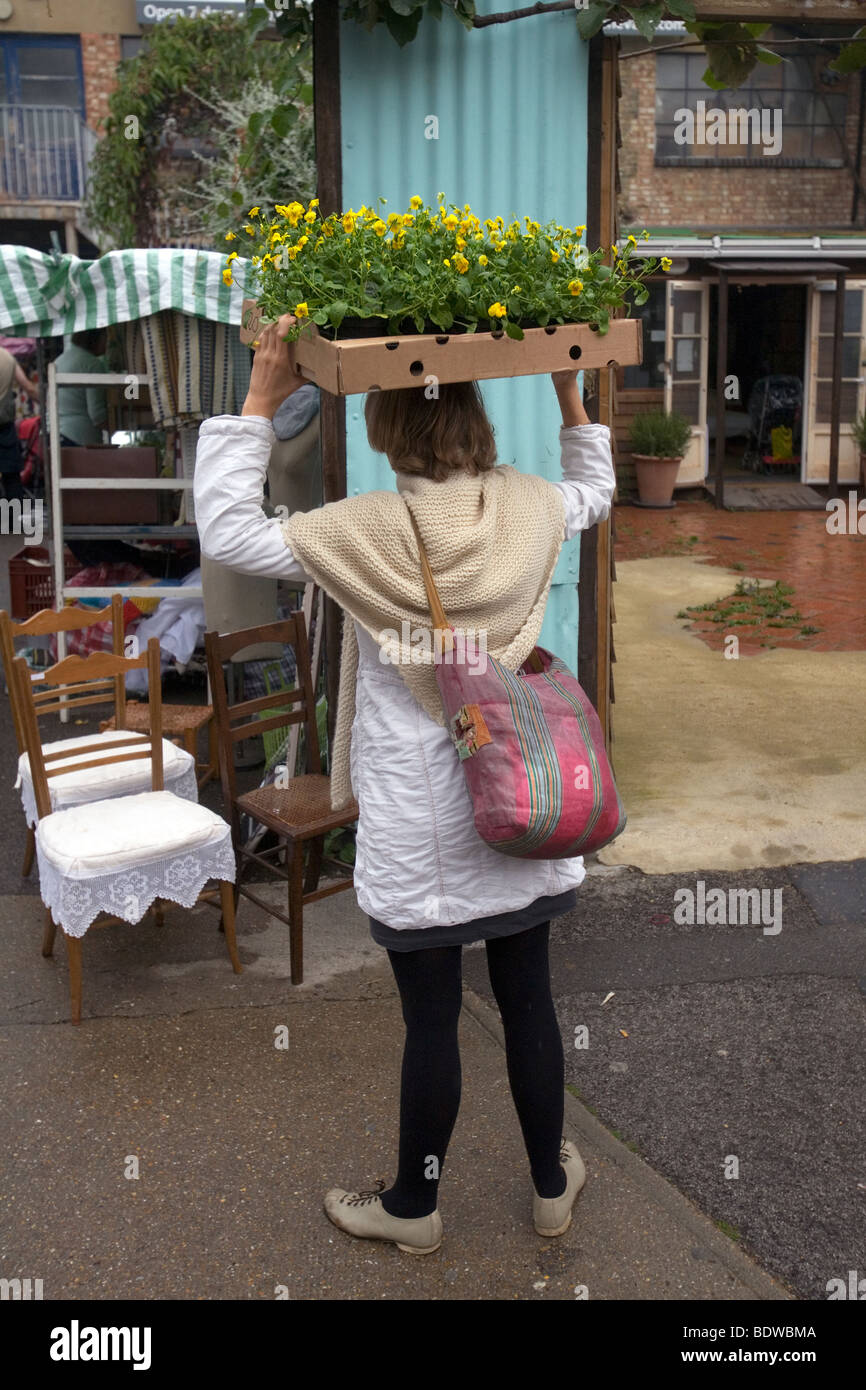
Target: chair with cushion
[(296, 809), (88, 782), (122, 855)]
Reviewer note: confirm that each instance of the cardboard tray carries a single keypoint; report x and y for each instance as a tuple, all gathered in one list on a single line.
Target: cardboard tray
[(353, 365)]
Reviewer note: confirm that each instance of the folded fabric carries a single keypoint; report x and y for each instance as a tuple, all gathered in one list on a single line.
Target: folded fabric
[(296, 412)]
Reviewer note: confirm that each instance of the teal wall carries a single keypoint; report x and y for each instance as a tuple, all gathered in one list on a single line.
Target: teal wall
[(512, 110)]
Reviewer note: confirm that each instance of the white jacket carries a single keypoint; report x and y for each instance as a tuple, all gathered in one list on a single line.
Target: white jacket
[(419, 860)]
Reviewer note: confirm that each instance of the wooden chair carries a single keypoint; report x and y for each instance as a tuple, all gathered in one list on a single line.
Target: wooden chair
[(116, 857), (179, 722), (49, 623), (299, 813)]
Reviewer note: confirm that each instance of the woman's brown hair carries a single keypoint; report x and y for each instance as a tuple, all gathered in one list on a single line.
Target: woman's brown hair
[(432, 438)]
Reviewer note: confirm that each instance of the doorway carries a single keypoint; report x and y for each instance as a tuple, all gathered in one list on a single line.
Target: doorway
[(764, 414)]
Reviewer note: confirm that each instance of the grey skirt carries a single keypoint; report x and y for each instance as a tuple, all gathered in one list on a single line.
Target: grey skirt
[(480, 929)]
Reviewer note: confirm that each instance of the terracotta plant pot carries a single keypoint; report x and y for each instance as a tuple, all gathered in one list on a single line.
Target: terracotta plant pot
[(655, 479)]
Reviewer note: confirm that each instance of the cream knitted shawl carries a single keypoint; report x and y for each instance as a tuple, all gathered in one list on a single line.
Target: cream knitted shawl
[(492, 540)]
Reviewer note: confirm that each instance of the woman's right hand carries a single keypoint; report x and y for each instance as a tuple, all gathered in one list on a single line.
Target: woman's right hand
[(274, 375)]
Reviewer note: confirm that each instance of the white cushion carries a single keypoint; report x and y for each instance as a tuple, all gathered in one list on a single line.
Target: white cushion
[(117, 779), (103, 836)]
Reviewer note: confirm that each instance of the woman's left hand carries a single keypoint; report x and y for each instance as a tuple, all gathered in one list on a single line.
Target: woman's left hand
[(274, 375)]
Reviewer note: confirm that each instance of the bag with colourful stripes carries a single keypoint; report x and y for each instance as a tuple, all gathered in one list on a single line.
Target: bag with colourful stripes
[(531, 747)]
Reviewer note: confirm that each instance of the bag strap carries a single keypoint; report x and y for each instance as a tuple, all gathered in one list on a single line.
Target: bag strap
[(437, 612)]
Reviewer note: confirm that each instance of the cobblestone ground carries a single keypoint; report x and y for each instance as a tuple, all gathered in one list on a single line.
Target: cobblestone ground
[(825, 573)]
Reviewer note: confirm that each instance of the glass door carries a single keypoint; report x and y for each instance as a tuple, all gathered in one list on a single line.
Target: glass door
[(686, 353), (819, 380)]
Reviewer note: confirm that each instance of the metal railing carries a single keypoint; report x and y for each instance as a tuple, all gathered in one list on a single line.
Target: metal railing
[(45, 153)]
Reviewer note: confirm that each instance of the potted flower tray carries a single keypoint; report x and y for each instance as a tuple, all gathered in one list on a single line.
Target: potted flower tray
[(347, 366)]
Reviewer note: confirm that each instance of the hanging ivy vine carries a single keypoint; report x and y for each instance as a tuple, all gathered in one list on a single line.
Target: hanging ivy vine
[(155, 105)]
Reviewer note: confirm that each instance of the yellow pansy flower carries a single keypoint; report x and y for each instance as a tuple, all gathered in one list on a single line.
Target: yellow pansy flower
[(460, 242), (448, 263), (451, 221), (302, 310), (314, 202), (348, 222), (231, 236), (462, 264), (497, 311), (666, 263), (228, 277), (407, 219), (482, 260), (292, 251), (320, 241), (632, 239), (554, 256), (253, 212), (302, 241), (379, 227), (310, 216), (575, 286), (251, 230), (416, 202), (232, 257)]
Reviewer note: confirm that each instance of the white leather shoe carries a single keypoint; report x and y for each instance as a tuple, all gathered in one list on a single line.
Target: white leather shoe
[(362, 1214), (552, 1215)]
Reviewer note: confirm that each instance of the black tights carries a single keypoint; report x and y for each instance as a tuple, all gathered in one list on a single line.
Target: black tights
[(430, 985)]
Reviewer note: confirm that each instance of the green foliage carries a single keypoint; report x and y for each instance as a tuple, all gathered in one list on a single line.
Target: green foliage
[(660, 435), (858, 429), (732, 48), (157, 99), (430, 268), (244, 172), (401, 18)]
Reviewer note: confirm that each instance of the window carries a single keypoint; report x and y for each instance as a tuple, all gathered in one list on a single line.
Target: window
[(650, 372), (130, 47), (787, 108), (41, 72)]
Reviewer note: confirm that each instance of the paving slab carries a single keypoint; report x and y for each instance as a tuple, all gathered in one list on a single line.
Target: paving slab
[(235, 1139)]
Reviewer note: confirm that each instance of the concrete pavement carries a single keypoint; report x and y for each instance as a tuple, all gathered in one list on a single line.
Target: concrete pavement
[(174, 1075)]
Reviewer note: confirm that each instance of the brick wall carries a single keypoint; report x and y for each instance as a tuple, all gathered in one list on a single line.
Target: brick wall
[(100, 55), (725, 198)]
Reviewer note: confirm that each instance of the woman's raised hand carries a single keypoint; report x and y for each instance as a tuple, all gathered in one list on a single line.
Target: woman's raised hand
[(274, 375)]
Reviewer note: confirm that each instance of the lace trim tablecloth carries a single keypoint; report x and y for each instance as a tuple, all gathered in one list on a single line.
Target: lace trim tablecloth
[(128, 893)]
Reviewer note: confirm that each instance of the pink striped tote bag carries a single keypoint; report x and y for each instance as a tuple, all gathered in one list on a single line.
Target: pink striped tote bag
[(531, 747)]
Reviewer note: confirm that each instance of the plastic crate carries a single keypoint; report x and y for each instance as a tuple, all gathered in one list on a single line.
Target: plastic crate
[(31, 580)]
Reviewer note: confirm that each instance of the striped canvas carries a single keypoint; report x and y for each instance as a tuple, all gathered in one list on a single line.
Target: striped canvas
[(532, 751), (42, 296)]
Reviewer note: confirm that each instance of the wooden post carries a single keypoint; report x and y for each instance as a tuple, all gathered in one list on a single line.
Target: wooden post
[(836, 391), (329, 170), (588, 579), (721, 371)]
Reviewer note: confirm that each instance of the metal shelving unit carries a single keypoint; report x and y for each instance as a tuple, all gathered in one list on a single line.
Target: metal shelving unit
[(61, 485)]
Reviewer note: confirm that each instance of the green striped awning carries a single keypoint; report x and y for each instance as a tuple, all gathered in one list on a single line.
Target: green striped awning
[(42, 296)]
